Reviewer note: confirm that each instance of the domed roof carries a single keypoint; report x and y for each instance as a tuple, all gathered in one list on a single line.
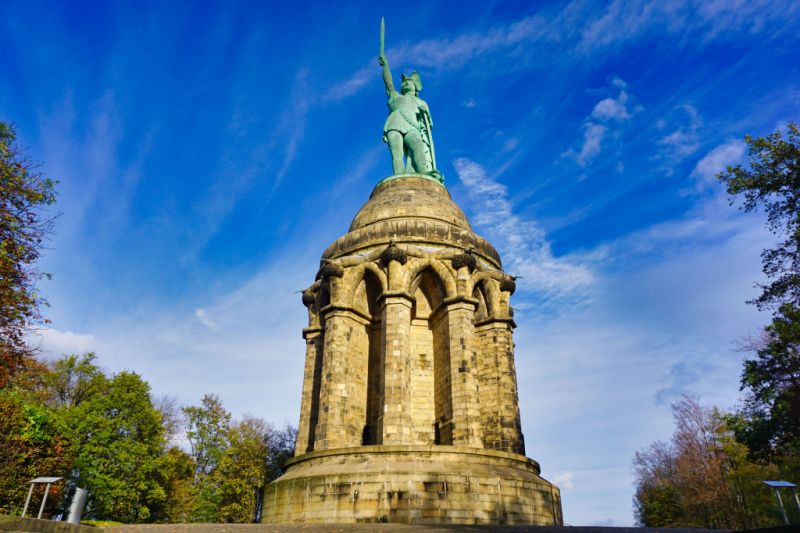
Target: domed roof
[(411, 209), (410, 197)]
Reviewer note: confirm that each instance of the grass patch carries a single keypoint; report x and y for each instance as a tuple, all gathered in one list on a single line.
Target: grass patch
[(101, 523)]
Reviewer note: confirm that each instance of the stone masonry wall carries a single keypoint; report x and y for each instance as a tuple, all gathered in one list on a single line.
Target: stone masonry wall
[(499, 404), (409, 409)]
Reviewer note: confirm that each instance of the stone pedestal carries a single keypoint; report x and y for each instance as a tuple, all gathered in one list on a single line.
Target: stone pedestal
[(414, 485), (409, 407)]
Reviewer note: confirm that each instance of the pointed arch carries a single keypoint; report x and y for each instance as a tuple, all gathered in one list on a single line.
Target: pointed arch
[(438, 269), (478, 294), (323, 296), (356, 274), (488, 285), (365, 283)]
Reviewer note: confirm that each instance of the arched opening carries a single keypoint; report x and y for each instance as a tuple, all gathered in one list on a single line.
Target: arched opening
[(365, 301), (324, 296), (431, 409), (479, 295)]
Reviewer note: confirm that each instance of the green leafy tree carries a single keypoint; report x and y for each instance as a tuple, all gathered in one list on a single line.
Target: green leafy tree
[(769, 423), (771, 180), (118, 440), (72, 380), (31, 445), (255, 456), (24, 224), (243, 470), (176, 474), (207, 432)]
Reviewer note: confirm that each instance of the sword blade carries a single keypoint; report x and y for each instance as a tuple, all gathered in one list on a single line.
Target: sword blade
[(383, 34)]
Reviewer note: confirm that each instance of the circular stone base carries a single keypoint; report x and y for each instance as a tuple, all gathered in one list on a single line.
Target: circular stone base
[(414, 485)]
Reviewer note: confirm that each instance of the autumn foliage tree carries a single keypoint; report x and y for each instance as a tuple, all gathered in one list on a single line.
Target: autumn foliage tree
[(24, 224), (702, 477)]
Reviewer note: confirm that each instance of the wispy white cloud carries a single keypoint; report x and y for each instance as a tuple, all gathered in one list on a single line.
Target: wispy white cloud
[(204, 319), (85, 161), (697, 22), (353, 84), (55, 343), (580, 29), (455, 52), (510, 144), (606, 114), (593, 135), (522, 243), (564, 481), (683, 138), (682, 377), (716, 160), (292, 125), (613, 108)]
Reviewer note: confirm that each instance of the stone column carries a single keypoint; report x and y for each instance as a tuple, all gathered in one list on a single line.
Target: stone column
[(499, 399), (309, 402), (342, 397), (463, 372), (395, 421)]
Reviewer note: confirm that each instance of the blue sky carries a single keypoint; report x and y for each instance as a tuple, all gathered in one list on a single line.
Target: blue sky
[(208, 153)]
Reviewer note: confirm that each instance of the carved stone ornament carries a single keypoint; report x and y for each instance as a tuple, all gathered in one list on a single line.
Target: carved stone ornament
[(466, 259), (308, 297), (508, 285), (393, 253), (331, 269)]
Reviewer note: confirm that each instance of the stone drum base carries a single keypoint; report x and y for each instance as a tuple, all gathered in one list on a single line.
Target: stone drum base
[(414, 485)]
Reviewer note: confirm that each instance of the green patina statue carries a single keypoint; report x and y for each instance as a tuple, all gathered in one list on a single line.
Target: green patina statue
[(407, 130)]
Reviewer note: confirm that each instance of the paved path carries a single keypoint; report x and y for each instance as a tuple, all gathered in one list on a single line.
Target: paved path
[(381, 528)]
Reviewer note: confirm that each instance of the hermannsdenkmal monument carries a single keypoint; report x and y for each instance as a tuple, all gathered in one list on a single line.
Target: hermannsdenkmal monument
[(409, 410)]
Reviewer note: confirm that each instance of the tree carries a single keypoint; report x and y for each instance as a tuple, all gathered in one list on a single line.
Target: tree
[(702, 477), (772, 180), (176, 473), (207, 428), (255, 456), (207, 432), (24, 224), (118, 439), (769, 423), (31, 445), (72, 379), (243, 470), (233, 462)]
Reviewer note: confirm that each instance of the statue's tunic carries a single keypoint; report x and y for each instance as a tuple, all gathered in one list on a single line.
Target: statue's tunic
[(403, 115)]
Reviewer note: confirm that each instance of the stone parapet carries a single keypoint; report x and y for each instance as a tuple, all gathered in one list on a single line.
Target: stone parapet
[(415, 485)]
